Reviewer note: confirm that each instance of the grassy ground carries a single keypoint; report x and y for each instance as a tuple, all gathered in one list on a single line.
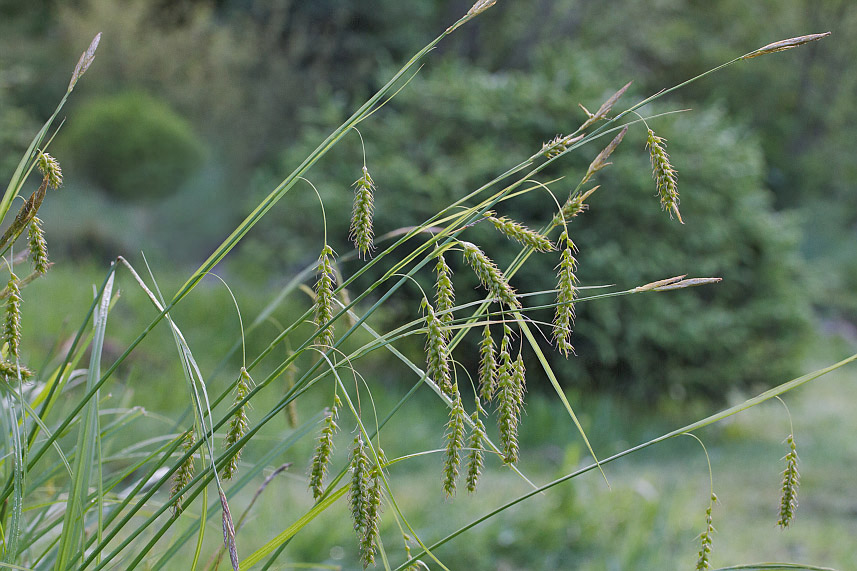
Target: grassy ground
[(649, 518)]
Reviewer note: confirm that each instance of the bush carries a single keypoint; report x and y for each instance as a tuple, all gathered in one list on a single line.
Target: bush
[(133, 146)]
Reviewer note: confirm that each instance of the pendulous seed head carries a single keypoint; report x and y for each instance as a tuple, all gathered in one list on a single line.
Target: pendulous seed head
[(490, 275), (791, 481), (664, 174), (487, 365), (454, 444), (572, 207), (520, 233), (362, 233), (508, 409), (475, 457), (437, 352), (563, 321), (239, 423), (364, 497), (12, 323), (324, 287), (183, 475), (38, 245), (11, 371), (324, 450), (445, 294), (704, 559)]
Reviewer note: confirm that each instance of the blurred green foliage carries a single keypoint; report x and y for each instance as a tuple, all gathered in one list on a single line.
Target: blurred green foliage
[(132, 145)]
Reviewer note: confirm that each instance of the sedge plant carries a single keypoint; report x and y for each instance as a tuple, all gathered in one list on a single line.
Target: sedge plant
[(65, 503)]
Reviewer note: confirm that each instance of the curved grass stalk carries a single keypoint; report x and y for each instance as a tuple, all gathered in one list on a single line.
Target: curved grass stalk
[(717, 417)]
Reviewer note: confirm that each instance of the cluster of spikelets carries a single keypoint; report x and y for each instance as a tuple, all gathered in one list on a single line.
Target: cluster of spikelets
[(26, 219), (704, 559), (791, 481), (364, 498)]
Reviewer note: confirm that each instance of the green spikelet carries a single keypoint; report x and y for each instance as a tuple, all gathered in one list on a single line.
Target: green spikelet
[(12, 324), (487, 366), (573, 207), (364, 497), (50, 169), (664, 174), (324, 287), (704, 559), (791, 481), (444, 291), (563, 321), (361, 232), (369, 539), (490, 275), (38, 245), (239, 423), (558, 145), (454, 444), (520, 233), (183, 475), (437, 352), (507, 401), (324, 450), (11, 371), (476, 454)]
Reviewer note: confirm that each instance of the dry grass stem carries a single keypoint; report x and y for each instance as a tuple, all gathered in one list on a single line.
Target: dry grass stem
[(600, 161), (783, 45), (604, 109)]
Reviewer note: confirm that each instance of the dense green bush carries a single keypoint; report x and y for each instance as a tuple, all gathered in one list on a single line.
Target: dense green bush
[(133, 146), (455, 127)]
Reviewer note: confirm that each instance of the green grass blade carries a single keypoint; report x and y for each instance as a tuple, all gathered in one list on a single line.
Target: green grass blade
[(72, 537)]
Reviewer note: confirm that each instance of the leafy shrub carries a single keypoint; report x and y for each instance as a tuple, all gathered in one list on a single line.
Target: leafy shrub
[(133, 146)]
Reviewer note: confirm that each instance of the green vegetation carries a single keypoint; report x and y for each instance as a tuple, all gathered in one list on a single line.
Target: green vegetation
[(392, 339)]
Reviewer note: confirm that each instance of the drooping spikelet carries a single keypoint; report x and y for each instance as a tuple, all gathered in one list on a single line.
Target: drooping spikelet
[(324, 450), (600, 161), (520, 233), (487, 366), (444, 291), (490, 275), (563, 321), (38, 245), (476, 454), (364, 497), (239, 423), (664, 174), (519, 382), (11, 371), (507, 401), (324, 287), (362, 233), (791, 481), (572, 207), (183, 475), (50, 169), (370, 534), (12, 323), (437, 352), (454, 443), (704, 560)]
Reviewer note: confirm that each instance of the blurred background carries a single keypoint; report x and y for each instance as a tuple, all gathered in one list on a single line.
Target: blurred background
[(195, 109)]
